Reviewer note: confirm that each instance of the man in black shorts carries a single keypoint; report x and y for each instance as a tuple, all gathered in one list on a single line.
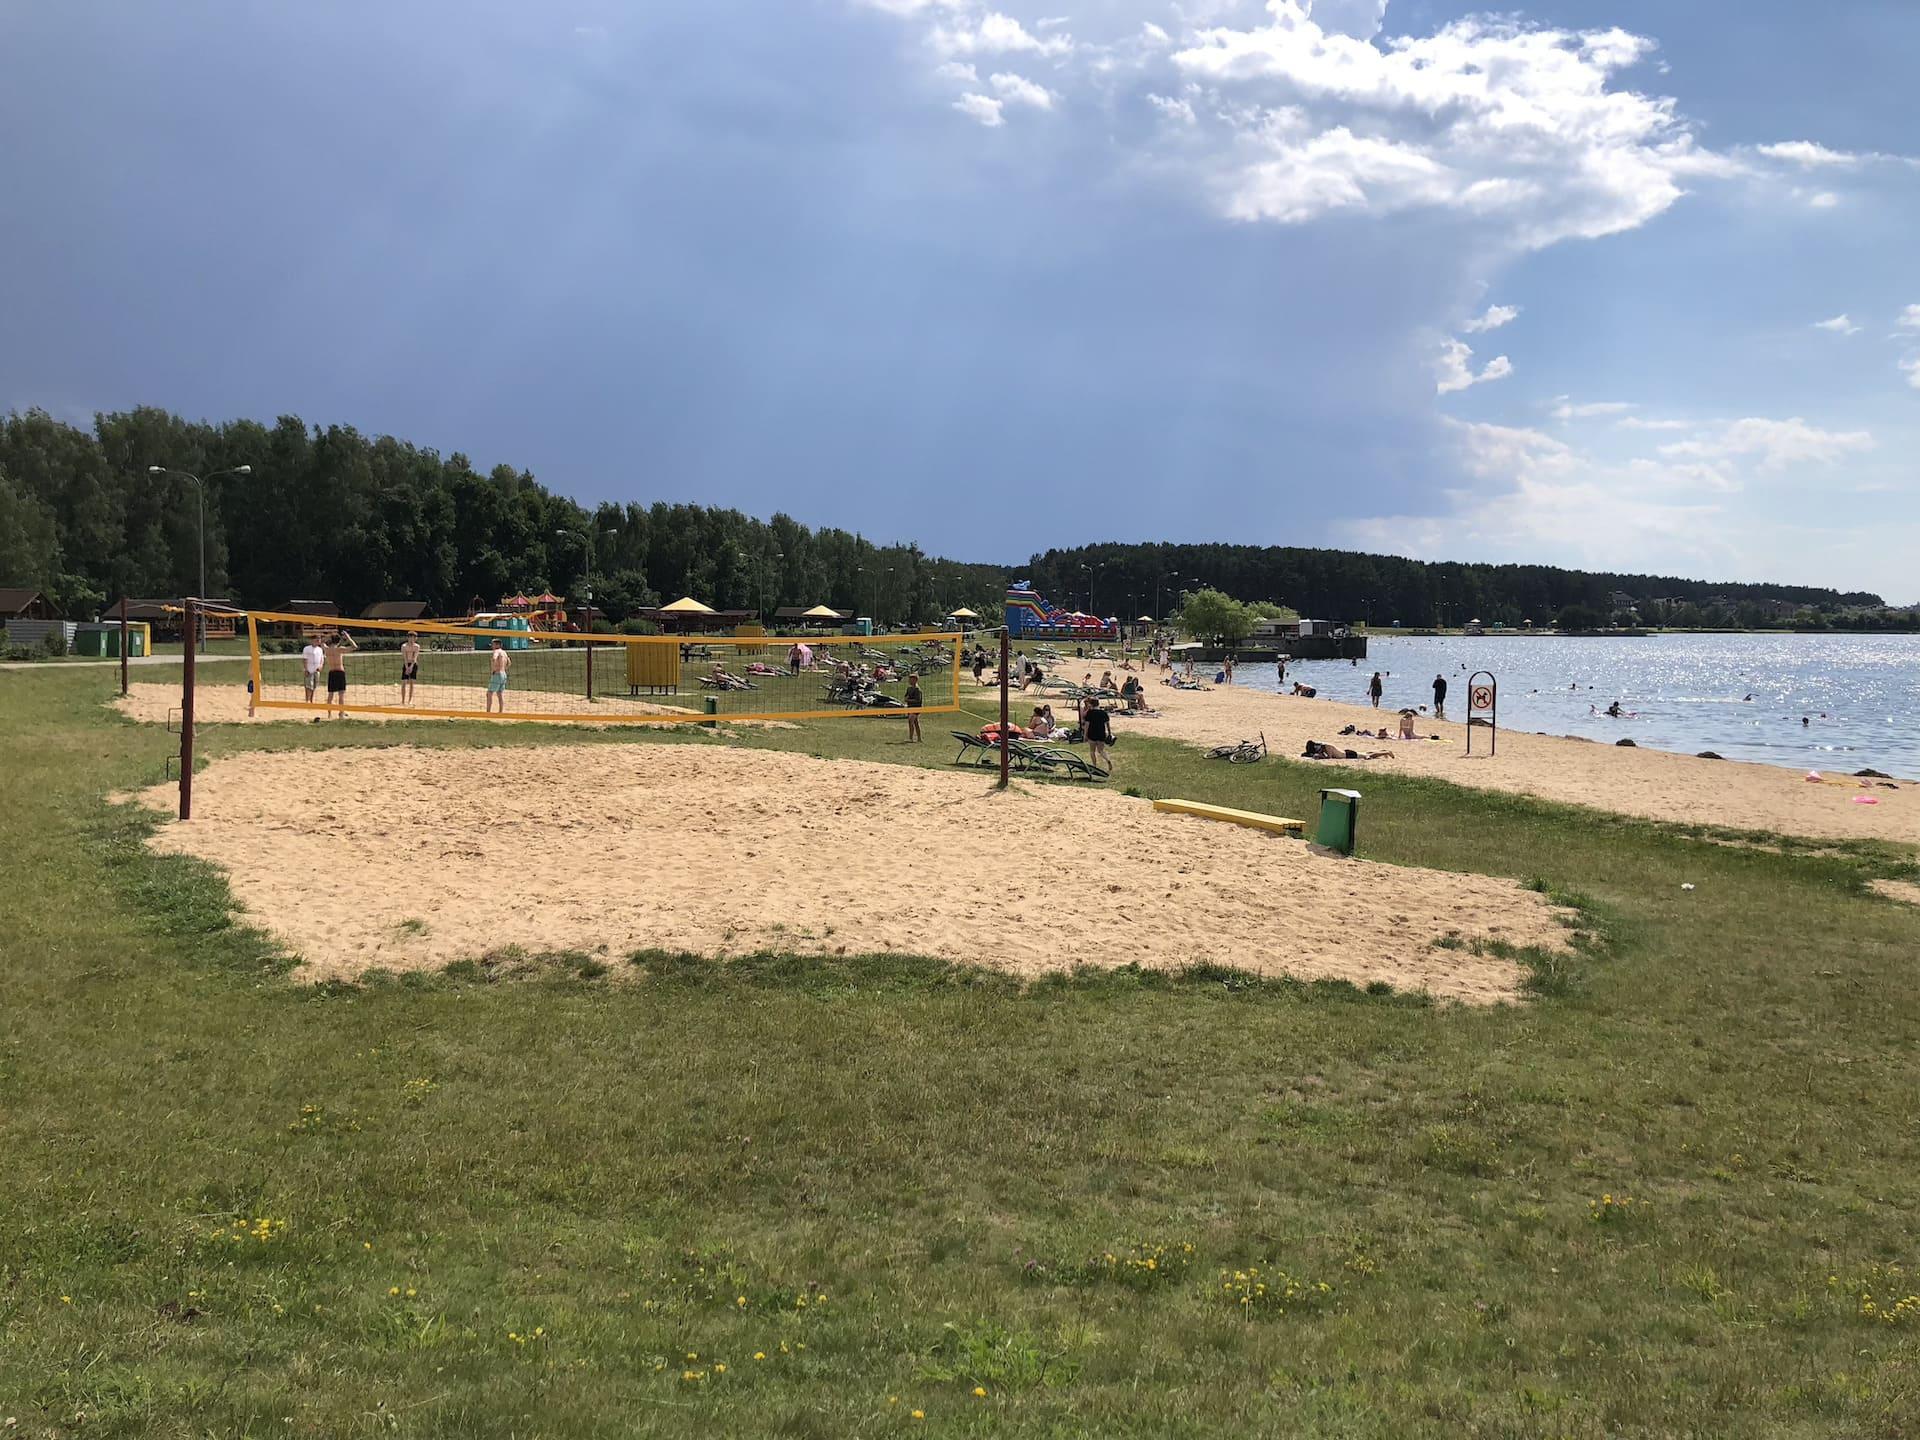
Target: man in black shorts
[(336, 666), (409, 667), (1097, 726)]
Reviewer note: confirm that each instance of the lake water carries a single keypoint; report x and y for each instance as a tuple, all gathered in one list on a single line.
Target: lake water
[(1859, 693)]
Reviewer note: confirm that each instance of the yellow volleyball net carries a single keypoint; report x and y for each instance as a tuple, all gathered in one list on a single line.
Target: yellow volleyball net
[(495, 668)]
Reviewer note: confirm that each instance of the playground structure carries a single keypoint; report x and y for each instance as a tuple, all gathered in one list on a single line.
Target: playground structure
[(545, 611), (1030, 617)]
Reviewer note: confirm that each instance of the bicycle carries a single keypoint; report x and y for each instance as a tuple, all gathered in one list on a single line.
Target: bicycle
[(1247, 752)]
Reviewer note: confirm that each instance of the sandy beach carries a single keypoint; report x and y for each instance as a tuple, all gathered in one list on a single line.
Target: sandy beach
[(1648, 783), (409, 858)]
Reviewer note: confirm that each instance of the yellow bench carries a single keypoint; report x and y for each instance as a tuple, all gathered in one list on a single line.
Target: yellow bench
[(1274, 823)]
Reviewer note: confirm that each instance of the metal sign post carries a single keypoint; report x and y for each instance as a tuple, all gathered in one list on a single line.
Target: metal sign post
[(1483, 708)]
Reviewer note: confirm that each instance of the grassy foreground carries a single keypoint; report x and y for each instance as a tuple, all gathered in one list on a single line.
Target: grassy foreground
[(882, 1196)]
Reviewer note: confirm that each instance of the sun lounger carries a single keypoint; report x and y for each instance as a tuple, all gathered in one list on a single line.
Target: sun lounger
[(1052, 760)]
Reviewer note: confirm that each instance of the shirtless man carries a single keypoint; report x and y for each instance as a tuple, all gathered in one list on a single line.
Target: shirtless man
[(334, 654), (501, 662), (409, 667)]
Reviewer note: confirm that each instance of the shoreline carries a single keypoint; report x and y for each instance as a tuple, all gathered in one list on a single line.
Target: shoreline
[(1637, 781)]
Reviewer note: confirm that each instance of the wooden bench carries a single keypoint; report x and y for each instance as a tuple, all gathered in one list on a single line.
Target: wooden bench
[(1276, 824)]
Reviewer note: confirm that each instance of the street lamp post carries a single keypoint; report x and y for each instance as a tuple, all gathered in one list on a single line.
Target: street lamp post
[(1158, 615), (585, 538), (200, 489)]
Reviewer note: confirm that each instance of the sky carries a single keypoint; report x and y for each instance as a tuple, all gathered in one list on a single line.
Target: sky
[(1618, 284)]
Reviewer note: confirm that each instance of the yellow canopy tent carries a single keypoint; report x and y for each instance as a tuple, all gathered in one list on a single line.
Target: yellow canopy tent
[(687, 605), (822, 612), (963, 614)]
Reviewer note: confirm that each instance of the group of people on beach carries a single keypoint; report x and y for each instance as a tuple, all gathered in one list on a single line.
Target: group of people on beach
[(328, 654)]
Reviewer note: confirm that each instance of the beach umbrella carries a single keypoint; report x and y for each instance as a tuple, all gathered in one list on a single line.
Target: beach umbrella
[(821, 612), (686, 605), (1145, 619), (962, 614)]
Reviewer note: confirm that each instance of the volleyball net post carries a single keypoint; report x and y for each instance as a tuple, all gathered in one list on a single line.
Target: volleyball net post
[(459, 670)]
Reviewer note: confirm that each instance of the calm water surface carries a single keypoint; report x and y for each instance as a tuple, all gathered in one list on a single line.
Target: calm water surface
[(1860, 694)]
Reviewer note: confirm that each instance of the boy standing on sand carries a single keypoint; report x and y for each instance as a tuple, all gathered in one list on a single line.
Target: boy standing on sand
[(501, 662), (312, 657), (335, 655), (914, 701), (409, 667)]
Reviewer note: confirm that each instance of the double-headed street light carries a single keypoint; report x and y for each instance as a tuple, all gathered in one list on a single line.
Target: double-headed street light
[(200, 486)]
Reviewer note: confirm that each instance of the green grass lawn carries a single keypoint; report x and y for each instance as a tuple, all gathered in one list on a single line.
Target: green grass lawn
[(893, 1197)]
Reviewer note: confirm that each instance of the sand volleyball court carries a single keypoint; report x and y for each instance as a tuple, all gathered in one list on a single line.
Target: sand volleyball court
[(155, 704), (409, 858)]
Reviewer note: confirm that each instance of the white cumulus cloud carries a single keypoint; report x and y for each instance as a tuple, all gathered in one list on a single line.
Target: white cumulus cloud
[(1174, 109), (1909, 318), (1453, 368), (1772, 444), (983, 108), (1018, 90), (1839, 325), (1492, 319), (1911, 369), (1809, 155), (1530, 132), (958, 70), (996, 34)]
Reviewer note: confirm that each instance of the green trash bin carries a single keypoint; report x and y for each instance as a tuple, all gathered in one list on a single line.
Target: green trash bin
[(1339, 816)]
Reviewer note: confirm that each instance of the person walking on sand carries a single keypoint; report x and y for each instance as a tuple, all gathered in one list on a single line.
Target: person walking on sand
[(1097, 726), (334, 653), (1439, 697), (409, 667), (1374, 689), (501, 662), (312, 657), (914, 702)]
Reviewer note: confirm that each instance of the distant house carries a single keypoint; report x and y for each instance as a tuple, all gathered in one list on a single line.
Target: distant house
[(395, 610), (1620, 600), (318, 613), (20, 603), (167, 618)]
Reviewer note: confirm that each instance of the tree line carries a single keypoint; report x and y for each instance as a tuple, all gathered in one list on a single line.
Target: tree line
[(329, 514), (1131, 580)]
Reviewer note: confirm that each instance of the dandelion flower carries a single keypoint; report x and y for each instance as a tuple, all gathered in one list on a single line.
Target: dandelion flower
[(693, 1355), (411, 1292), (719, 1369), (759, 1354), (919, 1414), (979, 1392), (393, 1289), (66, 1299)]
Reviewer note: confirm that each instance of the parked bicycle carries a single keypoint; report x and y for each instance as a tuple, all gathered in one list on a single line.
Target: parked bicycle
[(1247, 752)]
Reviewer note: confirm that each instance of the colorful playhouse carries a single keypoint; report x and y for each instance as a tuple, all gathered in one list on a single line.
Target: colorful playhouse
[(1030, 617)]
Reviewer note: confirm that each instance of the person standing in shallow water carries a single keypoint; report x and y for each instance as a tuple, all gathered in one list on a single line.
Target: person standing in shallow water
[(1440, 697), (1375, 687)]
